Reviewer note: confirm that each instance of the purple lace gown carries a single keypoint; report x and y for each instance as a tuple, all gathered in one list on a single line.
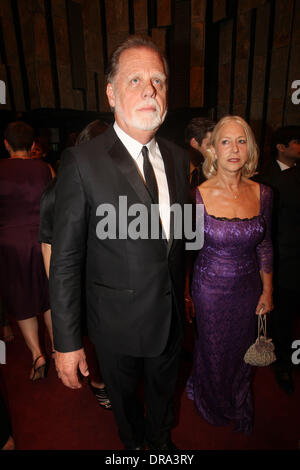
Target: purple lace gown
[(225, 289)]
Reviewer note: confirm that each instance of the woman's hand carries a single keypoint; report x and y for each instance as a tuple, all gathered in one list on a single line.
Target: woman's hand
[(265, 303), (189, 308)]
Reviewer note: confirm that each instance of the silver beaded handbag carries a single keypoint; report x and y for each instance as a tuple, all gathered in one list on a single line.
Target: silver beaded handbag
[(261, 353)]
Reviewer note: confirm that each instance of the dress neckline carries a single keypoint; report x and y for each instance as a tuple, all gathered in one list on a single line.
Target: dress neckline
[(234, 219)]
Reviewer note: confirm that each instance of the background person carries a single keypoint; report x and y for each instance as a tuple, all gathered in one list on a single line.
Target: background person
[(232, 278), (282, 174), (43, 151), (6, 440), (197, 136), (285, 153), (23, 281), (287, 275), (39, 149), (7, 332)]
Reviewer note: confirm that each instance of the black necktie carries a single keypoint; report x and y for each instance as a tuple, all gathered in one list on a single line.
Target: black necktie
[(149, 176), (194, 178)]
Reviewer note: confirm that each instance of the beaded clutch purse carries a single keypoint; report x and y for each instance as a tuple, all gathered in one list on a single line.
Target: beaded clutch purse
[(261, 353)]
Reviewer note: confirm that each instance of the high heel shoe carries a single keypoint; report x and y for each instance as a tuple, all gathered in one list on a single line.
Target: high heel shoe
[(38, 372), (101, 396)]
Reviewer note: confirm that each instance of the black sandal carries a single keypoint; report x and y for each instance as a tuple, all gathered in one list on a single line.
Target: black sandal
[(101, 396), (38, 372)]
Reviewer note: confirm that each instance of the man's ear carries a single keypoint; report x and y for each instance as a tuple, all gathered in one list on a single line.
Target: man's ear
[(194, 143), (110, 95), (281, 148)]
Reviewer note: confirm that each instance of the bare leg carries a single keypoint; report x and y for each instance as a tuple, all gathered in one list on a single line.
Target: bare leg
[(8, 334), (29, 328)]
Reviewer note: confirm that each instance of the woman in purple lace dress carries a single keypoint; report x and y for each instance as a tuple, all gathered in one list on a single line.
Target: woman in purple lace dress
[(232, 278)]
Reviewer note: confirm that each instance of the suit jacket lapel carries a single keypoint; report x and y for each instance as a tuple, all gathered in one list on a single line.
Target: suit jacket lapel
[(127, 166), (297, 172)]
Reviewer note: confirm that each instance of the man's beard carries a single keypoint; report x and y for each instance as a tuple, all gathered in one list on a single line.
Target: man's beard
[(138, 121)]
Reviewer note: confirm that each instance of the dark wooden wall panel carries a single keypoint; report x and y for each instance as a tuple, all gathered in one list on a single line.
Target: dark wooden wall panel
[(76, 40), (279, 62), (260, 69), (180, 56), (94, 56), (292, 111), (159, 38), (164, 12), (117, 23), (197, 48), (219, 10), (43, 63), (36, 53), (12, 54), (256, 53), (265, 60), (241, 70), (27, 30), (140, 16), (226, 30), (246, 5), (69, 98)]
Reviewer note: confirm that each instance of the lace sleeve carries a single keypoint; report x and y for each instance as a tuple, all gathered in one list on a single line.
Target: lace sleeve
[(265, 250)]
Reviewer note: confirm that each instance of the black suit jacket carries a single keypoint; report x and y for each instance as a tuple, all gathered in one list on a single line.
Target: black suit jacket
[(269, 174), (288, 224), (129, 283)]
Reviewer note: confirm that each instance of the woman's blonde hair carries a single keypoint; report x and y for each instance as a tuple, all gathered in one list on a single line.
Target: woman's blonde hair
[(210, 165)]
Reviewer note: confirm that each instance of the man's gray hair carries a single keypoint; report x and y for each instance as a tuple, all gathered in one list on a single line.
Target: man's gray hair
[(133, 42)]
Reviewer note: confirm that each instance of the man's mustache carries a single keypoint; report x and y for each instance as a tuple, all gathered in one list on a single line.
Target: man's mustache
[(149, 101)]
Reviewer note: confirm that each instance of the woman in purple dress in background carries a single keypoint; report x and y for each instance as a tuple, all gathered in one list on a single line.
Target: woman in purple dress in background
[(232, 276), (23, 281)]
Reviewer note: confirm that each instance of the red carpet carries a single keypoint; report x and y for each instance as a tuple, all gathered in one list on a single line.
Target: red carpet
[(46, 415)]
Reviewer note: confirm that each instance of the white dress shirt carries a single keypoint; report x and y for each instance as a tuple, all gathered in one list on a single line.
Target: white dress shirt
[(283, 166), (134, 148)]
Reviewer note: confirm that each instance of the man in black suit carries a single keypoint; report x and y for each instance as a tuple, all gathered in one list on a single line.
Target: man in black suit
[(133, 286), (282, 174), (284, 154)]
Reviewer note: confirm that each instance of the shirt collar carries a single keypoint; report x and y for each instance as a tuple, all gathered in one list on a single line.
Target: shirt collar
[(283, 166), (133, 146)]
